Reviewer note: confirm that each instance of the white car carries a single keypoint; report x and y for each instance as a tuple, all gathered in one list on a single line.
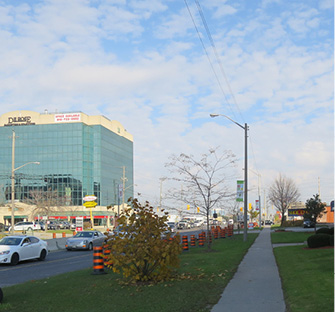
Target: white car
[(26, 226), (21, 247), (85, 240)]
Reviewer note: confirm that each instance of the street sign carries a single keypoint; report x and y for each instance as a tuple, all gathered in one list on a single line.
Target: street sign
[(90, 204)]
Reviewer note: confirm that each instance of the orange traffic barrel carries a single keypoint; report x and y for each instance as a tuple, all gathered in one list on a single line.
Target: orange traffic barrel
[(216, 233), (107, 252), (98, 261), (185, 242), (53, 235), (192, 241), (63, 234)]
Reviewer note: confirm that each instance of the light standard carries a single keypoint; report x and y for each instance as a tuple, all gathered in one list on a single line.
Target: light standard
[(160, 193), (259, 197), (13, 191), (245, 128)]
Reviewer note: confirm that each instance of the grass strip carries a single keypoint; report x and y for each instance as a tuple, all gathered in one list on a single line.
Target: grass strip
[(199, 284), (307, 278), (290, 237)]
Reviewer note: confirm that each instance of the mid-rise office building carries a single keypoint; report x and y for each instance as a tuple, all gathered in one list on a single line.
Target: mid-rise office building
[(78, 155)]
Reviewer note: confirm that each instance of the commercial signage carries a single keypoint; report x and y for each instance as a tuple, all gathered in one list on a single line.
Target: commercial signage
[(79, 224), (89, 198), (257, 205), (67, 117), (19, 121), (240, 191), (90, 204), (296, 212)]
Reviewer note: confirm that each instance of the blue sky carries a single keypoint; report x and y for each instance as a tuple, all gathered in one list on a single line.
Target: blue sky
[(142, 63)]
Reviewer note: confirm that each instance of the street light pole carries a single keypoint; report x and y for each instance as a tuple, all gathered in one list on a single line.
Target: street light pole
[(13, 179), (245, 128)]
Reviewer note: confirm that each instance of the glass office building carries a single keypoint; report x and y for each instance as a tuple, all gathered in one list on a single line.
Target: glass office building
[(78, 155)]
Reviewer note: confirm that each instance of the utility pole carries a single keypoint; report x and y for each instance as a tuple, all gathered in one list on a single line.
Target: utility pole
[(124, 179), (160, 193), (13, 177)]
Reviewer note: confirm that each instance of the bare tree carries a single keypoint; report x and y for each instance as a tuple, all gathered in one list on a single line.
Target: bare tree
[(283, 192), (204, 181), (46, 202)]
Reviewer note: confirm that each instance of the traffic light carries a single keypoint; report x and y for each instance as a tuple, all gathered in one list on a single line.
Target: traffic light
[(250, 206), (198, 209), (188, 207)]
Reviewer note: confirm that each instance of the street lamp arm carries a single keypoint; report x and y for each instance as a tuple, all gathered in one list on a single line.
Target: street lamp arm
[(217, 115), (32, 162)]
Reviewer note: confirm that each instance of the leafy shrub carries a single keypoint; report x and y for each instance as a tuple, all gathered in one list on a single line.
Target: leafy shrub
[(325, 230), (319, 240), (331, 240), (288, 223), (139, 251)]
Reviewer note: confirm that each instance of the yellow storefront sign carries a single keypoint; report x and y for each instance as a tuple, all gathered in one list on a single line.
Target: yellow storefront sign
[(90, 204)]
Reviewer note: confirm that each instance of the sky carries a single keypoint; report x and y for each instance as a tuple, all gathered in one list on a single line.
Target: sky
[(161, 67)]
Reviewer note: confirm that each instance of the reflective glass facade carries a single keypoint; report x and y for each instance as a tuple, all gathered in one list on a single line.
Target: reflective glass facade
[(76, 159)]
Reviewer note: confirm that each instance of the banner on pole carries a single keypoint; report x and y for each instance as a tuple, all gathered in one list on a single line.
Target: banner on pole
[(240, 191), (257, 205)]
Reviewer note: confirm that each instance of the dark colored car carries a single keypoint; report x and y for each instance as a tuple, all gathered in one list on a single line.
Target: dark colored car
[(309, 224), (53, 225)]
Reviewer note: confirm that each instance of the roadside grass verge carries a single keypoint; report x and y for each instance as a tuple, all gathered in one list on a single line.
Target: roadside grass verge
[(201, 278), (307, 278), (289, 237)]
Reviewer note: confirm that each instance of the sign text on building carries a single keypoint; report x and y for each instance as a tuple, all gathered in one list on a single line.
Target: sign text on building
[(19, 121), (67, 117)]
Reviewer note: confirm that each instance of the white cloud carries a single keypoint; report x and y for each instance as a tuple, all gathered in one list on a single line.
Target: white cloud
[(141, 63)]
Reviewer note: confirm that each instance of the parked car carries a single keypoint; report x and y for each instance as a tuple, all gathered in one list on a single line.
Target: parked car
[(308, 224), (26, 226), (21, 247), (268, 222), (64, 225), (53, 225), (85, 240)]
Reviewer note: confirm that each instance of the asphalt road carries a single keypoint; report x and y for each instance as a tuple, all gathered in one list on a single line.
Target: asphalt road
[(57, 262)]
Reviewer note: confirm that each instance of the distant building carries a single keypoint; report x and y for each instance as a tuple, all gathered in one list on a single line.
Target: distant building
[(78, 154)]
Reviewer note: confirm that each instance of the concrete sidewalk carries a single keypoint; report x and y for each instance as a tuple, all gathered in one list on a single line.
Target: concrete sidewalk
[(256, 286)]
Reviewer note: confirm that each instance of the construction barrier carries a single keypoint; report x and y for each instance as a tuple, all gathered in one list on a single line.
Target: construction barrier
[(53, 235), (222, 233), (209, 237), (107, 252), (201, 239), (216, 233), (192, 241), (230, 231), (185, 243), (63, 234), (98, 261)]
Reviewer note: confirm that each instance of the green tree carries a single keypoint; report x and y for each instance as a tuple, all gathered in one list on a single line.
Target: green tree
[(253, 214), (138, 249), (314, 209)]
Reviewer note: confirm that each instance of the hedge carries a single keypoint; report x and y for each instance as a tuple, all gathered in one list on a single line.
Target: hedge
[(319, 240)]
